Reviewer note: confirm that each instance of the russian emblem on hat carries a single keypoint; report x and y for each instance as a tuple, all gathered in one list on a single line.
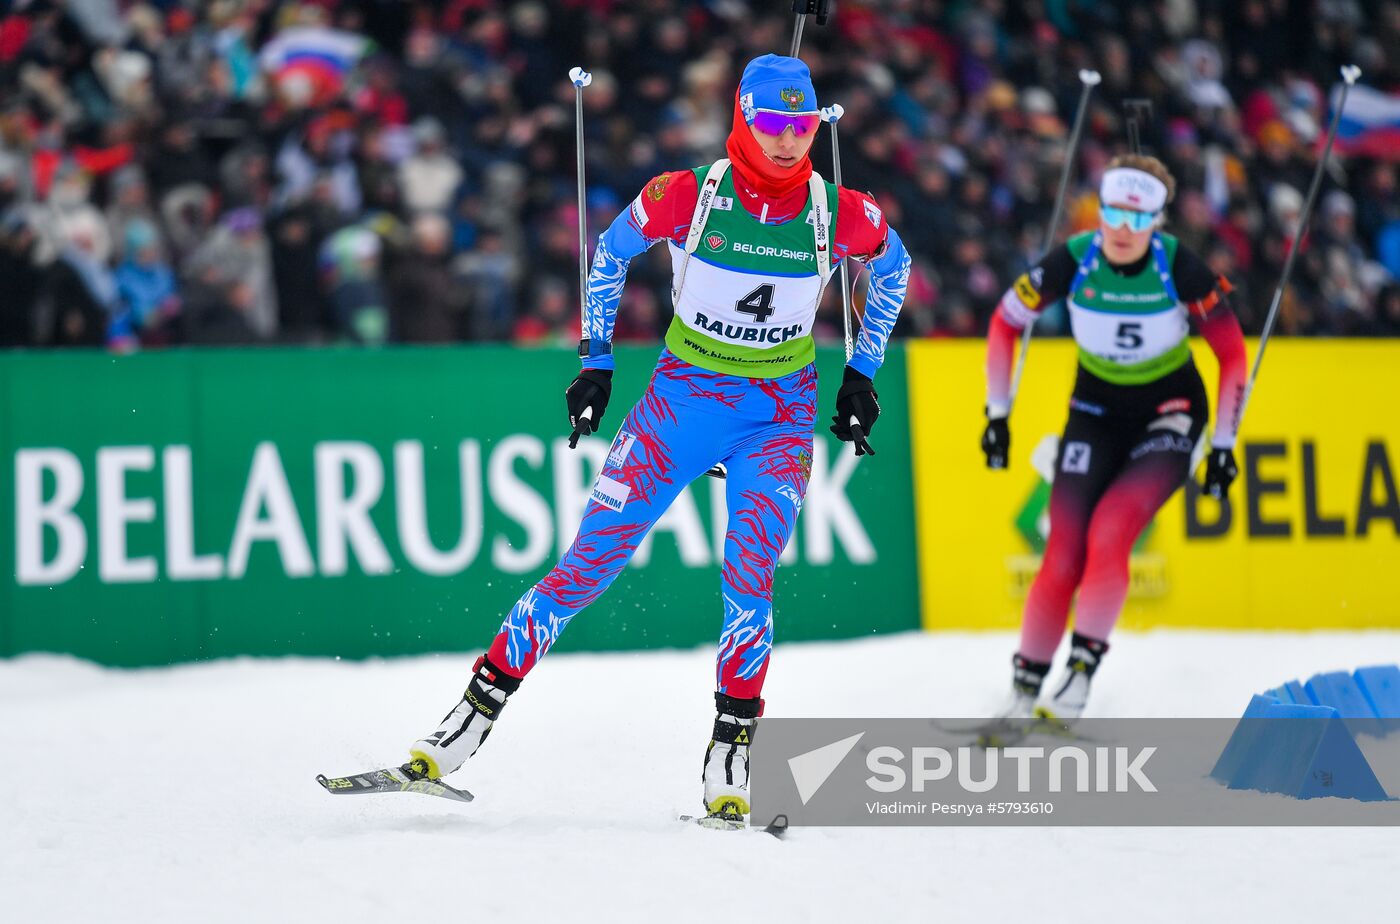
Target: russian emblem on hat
[(793, 97)]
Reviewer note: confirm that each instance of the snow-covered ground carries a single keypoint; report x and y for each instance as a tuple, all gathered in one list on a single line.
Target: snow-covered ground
[(188, 794)]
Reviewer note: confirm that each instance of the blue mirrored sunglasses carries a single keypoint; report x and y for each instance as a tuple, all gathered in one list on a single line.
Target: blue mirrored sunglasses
[(1115, 217)]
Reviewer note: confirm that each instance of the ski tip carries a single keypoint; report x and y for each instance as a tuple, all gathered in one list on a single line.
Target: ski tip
[(340, 784), (460, 795), (777, 827)]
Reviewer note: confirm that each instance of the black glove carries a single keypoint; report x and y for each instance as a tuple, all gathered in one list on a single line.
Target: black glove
[(856, 399), (591, 389), (996, 442), (1220, 472)]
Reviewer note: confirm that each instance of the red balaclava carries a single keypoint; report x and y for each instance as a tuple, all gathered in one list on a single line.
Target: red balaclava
[(755, 167)]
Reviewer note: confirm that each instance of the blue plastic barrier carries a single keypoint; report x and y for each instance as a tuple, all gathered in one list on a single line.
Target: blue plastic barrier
[(1298, 750), (1297, 739), (1380, 685), (1339, 690)]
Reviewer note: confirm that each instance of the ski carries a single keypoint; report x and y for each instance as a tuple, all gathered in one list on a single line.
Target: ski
[(777, 827), (391, 779), (990, 733), (1002, 733)]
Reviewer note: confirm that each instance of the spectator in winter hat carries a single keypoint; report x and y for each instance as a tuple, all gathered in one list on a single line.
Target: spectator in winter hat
[(80, 296), (351, 269), (1350, 280), (1278, 161), (1038, 104), (431, 176), (239, 246), (70, 211), (146, 286), (1285, 207), (187, 212), (1204, 68), (128, 200), (428, 303), (1338, 203)]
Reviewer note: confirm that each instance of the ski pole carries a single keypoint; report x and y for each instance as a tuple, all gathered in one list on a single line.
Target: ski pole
[(1349, 74), (581, 78), (1088, 80), (831, 115)]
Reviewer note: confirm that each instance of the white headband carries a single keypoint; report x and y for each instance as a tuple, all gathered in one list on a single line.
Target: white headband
[(1125, 186)]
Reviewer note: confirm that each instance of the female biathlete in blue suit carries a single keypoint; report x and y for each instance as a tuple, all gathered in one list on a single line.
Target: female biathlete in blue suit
[(752, 247)]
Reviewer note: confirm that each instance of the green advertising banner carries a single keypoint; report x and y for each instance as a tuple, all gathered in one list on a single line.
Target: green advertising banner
[(170, 506)]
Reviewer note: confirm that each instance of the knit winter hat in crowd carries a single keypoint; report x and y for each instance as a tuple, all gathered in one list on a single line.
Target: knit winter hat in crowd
[(1285, 202), (1338, 202), (139, 234), (771, 83)]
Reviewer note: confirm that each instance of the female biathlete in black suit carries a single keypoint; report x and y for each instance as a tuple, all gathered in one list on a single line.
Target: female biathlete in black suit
[(1137, 411)]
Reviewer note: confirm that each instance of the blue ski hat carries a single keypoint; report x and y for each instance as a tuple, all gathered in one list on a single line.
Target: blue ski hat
[(779, 84)]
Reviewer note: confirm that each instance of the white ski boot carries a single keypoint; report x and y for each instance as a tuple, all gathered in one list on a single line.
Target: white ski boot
[(1027, 677), (1011, 723), (1068, 703), (726, 773), (467, 725)]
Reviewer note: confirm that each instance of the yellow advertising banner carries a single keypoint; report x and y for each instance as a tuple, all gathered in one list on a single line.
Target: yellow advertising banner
[(1309, 538)]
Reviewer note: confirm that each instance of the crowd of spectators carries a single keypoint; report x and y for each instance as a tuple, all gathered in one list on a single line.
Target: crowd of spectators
[(370, 171)]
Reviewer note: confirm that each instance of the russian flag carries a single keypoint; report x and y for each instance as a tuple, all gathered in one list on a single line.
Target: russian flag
[(324, 55), (1370, 126)]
